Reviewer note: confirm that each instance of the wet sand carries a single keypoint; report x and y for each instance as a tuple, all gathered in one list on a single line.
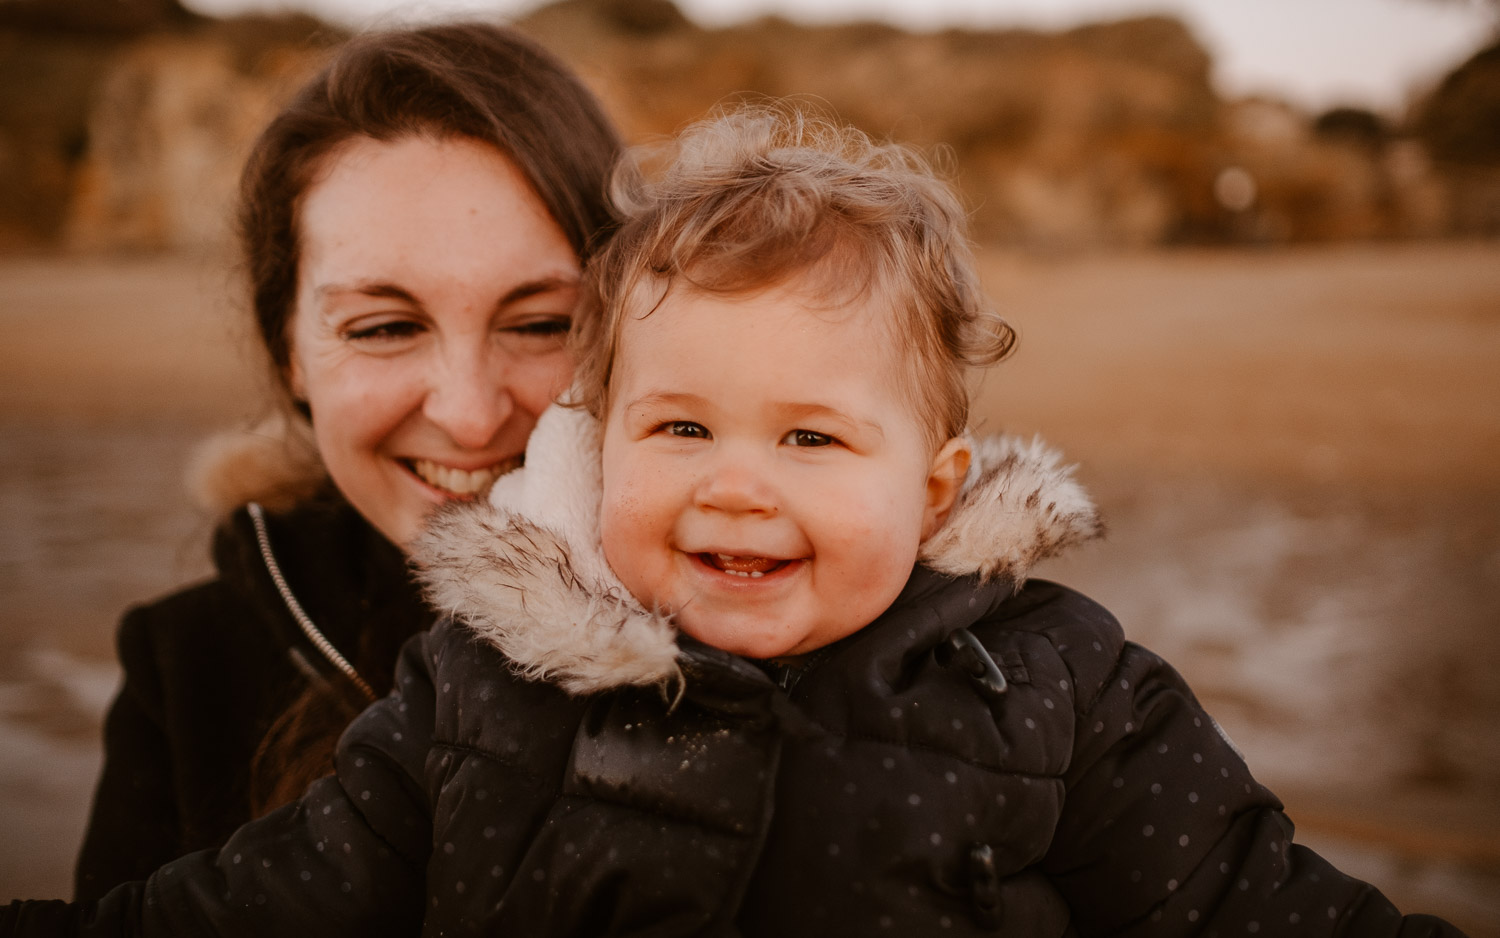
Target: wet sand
[(1296, 452)]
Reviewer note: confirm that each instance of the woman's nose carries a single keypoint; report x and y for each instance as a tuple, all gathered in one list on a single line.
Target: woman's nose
[(469, 400), (737, 485)]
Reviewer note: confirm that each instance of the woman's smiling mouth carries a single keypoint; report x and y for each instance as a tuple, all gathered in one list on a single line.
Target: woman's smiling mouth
[(461, 483)]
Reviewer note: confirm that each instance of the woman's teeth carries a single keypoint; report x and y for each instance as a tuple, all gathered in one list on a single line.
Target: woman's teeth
[(743, 566), (461, 481)]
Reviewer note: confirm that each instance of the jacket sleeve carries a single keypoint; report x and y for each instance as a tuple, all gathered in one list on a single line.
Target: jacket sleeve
[(133, 825), (348, 858), (1165, 832)]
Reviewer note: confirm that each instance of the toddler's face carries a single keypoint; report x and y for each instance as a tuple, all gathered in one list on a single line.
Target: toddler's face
[(764, 479)]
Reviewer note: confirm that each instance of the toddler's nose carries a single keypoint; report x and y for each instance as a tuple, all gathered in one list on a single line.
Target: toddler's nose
[(736, 486)]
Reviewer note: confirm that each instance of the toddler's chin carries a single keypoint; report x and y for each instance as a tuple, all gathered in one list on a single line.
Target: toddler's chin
[(747, 643)]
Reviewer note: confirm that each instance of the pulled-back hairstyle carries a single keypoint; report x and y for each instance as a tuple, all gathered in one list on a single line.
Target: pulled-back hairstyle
[(762, 194), (473, 80), (460, 80)]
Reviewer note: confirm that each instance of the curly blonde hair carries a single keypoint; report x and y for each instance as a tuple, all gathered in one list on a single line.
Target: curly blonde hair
[(760, 195)]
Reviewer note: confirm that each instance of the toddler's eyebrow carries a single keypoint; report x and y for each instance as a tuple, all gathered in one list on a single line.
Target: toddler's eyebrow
[(664, 399), (793, 412)]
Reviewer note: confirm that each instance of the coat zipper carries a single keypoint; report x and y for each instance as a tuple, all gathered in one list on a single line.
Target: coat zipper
[(319, 640)]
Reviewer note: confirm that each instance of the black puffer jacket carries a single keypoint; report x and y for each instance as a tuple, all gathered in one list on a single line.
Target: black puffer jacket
[(979, 760), (209, 668)]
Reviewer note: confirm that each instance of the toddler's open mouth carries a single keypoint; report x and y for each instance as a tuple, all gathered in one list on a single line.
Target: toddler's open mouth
[(749, 567)]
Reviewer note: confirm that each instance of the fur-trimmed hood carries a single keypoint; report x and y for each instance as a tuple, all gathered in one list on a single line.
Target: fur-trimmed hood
[(527, 574)]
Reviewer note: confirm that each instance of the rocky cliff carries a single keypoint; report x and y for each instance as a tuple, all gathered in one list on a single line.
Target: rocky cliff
[(1106, 135)]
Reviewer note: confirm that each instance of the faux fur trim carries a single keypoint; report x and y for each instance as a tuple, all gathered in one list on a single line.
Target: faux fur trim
[(274, 463), (527, 574), (514, 584), (1018, 506)]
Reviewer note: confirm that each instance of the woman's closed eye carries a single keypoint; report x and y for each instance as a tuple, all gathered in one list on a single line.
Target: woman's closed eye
[(385, 330), (546, 327), (536, 334), (808, 438)]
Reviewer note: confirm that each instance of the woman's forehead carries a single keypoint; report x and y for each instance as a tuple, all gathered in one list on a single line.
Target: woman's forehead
[(420, 210)]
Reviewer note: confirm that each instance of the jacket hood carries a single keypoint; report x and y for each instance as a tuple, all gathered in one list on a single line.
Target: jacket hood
[(526, 573), (275, 462)]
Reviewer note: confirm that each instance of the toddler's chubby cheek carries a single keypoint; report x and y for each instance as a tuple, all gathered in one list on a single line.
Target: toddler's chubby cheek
[(630, 552)]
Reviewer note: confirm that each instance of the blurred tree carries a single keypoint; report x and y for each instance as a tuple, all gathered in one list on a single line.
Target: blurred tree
[(1459, 126), (1353, 126), (1460, 121), (644, 17), (117, 17)]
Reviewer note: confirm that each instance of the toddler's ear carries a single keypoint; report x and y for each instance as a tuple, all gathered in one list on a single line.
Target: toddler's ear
[(944, 480)]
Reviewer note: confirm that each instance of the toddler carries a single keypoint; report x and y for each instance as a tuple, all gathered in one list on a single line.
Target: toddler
[(748, 646)]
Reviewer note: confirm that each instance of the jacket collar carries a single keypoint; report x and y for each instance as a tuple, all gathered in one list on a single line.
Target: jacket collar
[(526, 573)]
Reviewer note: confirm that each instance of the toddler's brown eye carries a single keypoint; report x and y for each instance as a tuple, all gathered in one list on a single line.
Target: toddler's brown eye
[(688, 428), (808, 438)]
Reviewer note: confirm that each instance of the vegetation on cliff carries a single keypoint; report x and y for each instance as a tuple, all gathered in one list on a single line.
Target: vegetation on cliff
[(1107, 135)]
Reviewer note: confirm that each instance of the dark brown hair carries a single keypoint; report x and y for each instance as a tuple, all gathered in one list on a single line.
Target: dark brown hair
[(470, 80)]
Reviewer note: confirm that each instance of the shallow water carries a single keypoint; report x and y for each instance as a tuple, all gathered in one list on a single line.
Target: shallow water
[(92, 518)]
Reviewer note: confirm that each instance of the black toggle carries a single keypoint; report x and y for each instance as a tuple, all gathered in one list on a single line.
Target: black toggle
[(962, 650)]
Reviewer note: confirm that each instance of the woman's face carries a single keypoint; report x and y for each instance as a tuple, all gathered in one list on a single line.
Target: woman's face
[(434, 296)]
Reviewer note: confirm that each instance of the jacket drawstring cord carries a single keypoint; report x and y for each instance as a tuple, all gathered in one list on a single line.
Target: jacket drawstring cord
[(319, 640)]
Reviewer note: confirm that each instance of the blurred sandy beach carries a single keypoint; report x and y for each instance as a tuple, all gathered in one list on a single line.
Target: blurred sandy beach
[(1296, 451)]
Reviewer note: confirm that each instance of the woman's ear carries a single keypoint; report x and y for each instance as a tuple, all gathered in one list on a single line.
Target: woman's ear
[(944, 479), (294, 378)]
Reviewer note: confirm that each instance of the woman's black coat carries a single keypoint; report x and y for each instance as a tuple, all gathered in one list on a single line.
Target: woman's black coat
[(208, 669)]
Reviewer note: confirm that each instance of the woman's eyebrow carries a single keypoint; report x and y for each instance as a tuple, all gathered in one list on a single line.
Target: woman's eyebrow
[(534, 287), (380, 289), (387, 290)]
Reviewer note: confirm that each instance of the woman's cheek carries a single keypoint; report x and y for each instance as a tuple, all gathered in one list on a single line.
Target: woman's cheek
[(541, 381)]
